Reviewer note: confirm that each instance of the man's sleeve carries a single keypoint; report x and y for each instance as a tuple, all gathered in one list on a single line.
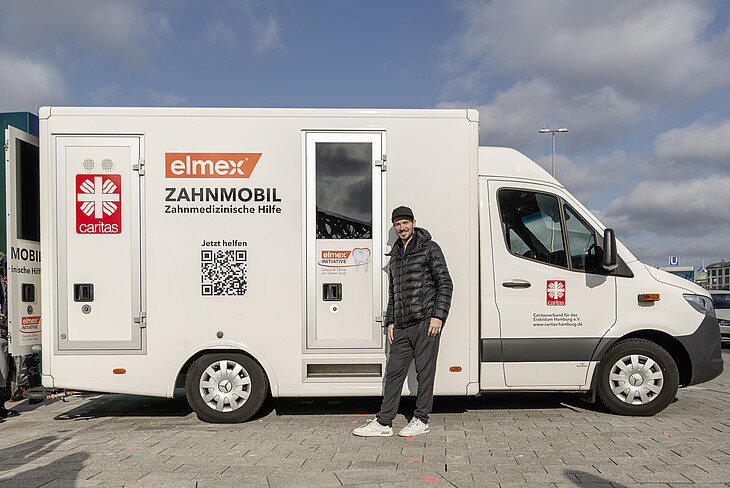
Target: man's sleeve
[(442, 280), (389, 319)]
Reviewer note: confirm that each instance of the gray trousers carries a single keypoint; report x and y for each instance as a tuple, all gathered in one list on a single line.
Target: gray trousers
[(411, 343)]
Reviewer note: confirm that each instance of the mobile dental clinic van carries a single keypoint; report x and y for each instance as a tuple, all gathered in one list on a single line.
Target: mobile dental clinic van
[(238, 252)]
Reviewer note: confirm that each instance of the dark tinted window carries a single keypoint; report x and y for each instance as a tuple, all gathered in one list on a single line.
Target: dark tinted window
[(581, 242), (532, 226), (27, 193), (721, 300), (344, 190)]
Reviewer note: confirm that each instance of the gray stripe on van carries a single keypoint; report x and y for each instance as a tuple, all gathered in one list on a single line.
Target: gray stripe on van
[(539, 350)]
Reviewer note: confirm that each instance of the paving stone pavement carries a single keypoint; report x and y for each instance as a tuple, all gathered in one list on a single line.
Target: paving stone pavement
[(496, 440)]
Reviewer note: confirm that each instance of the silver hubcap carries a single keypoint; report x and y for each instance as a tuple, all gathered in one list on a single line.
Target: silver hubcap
[(636, 379), (225, 386)]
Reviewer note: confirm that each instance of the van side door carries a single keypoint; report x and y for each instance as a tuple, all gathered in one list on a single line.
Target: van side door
[(22, 193), (554, 300)]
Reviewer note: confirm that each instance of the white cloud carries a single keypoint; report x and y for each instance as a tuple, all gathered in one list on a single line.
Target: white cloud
[(267, 36), (587, 178), (166, 99), (685, 208), (28, 84), (698, 144), (260, 35), (653, 50), (127, 31), (514, 116)]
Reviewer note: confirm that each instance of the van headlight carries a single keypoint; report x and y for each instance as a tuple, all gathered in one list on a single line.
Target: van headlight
[(701, 303)]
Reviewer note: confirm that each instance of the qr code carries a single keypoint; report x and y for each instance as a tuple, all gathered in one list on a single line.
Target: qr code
[(224, 272)]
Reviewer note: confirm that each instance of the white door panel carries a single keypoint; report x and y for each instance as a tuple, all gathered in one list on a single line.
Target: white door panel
[(344, 240), (100, 297), (23, 241), (552, 312)]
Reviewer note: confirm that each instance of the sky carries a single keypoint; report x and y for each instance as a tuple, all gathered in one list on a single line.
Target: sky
[(643, 87)]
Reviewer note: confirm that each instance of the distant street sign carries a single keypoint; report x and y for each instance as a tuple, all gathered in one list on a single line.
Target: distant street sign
[(673, 260)]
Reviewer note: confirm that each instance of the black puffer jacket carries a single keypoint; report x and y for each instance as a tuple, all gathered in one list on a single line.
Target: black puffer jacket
[(419, 283)]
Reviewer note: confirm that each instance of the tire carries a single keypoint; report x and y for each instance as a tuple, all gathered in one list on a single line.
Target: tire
[(637, 377), (226, 388)]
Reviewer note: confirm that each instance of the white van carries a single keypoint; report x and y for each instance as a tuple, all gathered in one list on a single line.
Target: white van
[(241, 252)]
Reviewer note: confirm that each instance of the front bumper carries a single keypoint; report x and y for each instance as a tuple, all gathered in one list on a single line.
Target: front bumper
[(705, 351)]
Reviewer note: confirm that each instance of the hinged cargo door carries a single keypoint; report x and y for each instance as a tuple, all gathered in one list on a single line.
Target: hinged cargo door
[(344, 250), (100, 292), (23, 241)]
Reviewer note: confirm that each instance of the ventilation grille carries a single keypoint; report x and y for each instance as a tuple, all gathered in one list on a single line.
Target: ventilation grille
[(107, 165), (344, 370)]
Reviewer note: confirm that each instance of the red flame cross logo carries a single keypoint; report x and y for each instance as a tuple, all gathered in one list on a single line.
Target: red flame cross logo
[(556, 293), (98, 199)]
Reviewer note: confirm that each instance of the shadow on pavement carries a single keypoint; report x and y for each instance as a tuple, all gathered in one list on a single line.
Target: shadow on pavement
[(114, 405), (32, 452), (447, 404), (591, 479)]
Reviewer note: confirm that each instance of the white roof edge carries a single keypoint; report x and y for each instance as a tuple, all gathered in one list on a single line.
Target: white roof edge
[(470, 114)]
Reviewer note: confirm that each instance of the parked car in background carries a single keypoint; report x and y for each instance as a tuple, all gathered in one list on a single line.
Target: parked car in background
[(721, 301)]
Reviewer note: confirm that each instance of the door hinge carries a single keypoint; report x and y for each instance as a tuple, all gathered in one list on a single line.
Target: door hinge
[(379, 318), (141, 319), (383, 163), (139, 167)]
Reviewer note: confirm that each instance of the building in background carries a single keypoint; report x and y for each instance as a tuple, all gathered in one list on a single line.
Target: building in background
[(718, 276), (701, 278), (686, 272)]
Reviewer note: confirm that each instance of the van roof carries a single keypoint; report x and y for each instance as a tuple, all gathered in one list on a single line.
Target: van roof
[(510, 163)]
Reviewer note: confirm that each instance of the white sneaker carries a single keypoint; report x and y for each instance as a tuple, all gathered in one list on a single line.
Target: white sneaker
[(415, 427), (373, 429)]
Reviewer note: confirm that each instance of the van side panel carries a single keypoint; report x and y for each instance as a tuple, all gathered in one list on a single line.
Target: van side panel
[(246, 234)]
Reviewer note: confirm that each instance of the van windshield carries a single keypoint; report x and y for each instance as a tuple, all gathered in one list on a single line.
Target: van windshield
[(721, 300)]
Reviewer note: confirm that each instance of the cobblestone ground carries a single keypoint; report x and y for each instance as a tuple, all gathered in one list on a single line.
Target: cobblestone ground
[(497, 440)]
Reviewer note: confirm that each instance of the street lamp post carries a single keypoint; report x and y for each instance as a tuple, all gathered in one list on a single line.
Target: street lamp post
[(545, 130)]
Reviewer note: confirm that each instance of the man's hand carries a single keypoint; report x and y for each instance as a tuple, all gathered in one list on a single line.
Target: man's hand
[(390, 333), (434, 327)]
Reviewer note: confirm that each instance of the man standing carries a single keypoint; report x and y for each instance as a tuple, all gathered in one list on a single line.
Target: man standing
[(419, 298)]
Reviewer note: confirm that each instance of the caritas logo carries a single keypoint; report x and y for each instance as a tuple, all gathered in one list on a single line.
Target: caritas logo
[(555, 293), (98, 204), (210, 165)]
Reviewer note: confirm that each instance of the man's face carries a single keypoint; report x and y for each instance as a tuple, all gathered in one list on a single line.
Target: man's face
[(404, 227)]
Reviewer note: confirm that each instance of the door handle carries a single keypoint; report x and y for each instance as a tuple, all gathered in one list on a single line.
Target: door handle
[(516, 284)]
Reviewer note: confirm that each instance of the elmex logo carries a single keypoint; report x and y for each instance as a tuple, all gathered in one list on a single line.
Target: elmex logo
[(556, 293), (98, 204), (30, 325), (341, 259), (210, 165)]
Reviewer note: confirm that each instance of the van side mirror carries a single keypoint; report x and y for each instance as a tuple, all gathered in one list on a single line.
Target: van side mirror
[(609, 258)]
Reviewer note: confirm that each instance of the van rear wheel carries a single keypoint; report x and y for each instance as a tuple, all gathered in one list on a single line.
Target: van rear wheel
[(225, 387), (637, 377)]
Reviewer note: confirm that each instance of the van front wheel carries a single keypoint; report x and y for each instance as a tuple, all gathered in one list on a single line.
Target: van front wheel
[(225, 387), (637, 377)]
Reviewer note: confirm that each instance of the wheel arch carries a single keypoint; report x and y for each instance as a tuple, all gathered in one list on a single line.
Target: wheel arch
[(671, 344), (265, 367)]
